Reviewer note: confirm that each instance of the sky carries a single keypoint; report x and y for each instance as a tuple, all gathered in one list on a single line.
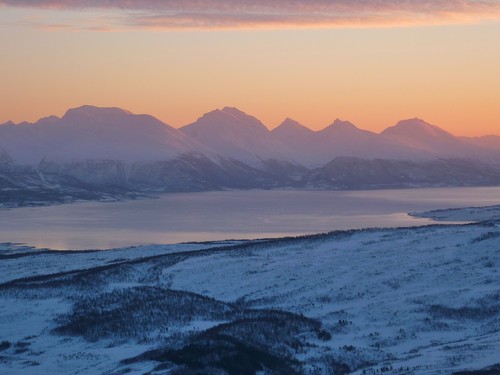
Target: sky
[(372, 62)]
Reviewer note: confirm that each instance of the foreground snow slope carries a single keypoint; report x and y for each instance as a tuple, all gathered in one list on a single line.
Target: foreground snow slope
[(408, 300)]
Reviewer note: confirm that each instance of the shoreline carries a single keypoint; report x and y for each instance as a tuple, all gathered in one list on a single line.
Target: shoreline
[(369, 299)]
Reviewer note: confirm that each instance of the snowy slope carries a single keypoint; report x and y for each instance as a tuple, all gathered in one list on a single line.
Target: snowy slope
[(342, 138), (92, 133), (290, 131), (95, 133), (417, 134), (401, 301), (232, 133)]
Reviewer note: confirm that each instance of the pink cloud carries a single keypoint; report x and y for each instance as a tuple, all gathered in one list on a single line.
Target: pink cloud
[(237, 14)]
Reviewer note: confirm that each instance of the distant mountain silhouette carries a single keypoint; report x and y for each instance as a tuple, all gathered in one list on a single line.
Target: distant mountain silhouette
[(90, 132), (416, 133), (228, 148), (289, 130), (232, 133), (408, 140)]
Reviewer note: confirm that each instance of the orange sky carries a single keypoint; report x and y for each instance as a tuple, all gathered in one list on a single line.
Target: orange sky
[(372, 73)]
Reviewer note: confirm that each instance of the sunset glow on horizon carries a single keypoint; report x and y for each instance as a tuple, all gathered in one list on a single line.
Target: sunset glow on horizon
[(370, 62)]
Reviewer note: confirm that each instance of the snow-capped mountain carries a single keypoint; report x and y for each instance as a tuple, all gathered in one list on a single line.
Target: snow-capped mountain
[(340, 139), (95, 133), (232, 133), (430, 139), (292, 133), (92, 133), (91, 147), (302, 142), (346, 139)]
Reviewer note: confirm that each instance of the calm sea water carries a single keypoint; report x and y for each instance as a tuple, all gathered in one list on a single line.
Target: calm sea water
[(210, 216)]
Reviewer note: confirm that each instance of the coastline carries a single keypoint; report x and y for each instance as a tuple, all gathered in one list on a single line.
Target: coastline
[(343, 297)]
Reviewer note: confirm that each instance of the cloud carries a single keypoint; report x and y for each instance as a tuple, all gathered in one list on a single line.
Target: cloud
[(260, 14)]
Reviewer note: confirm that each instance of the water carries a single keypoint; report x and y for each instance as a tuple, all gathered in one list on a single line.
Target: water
[(211, 216)]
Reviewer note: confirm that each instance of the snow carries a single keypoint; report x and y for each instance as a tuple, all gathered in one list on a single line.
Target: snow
[(342, 138), (35, 262), (233, 133), (461, 214), (419, 135), (423, 298), (95, 133)]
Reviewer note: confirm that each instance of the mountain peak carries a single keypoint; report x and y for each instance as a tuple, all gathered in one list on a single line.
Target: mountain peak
[(242, 116), (93, 112), (93, 133), (417, 134), (290, 128), (413, 122), (48, 120), (233, 111), (228, 118), (340, 126), (289, 123), (234, 133), (416, 128)]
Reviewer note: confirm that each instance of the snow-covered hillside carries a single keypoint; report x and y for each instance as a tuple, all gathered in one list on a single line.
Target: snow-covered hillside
[(402, 301), (429, 139), (342, 139), (93, 133), (232, 133)]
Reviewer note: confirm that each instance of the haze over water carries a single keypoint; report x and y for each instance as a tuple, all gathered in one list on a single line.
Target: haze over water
[(224, 215)]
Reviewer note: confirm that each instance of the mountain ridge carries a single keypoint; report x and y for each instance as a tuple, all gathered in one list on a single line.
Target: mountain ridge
[(235, 112), (235, 134), (88, 132), (113, 151)]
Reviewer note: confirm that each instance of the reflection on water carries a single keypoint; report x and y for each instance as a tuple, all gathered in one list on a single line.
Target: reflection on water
[(222, 215)]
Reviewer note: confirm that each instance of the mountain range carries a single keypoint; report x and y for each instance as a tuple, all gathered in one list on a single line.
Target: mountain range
[(227, 148)]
